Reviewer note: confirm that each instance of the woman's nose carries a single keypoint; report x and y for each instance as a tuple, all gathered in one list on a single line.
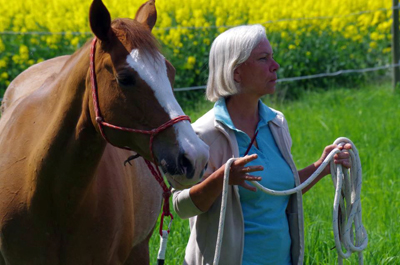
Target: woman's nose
[(275, 66)]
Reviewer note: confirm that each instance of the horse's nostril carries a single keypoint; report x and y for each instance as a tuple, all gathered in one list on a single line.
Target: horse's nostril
[(187, 165)]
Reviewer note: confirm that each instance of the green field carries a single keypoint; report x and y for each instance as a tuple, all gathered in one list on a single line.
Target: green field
[(370, 117)]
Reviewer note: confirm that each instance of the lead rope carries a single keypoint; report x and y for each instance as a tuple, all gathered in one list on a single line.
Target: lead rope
[(346, 220)]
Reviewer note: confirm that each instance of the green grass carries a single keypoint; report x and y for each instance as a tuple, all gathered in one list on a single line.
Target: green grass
[(370, 117)]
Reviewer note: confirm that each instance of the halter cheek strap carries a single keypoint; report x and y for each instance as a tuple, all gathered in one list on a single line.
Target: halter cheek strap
[(100, 121)]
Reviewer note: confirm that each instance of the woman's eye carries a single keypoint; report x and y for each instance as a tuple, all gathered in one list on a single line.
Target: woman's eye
[(128, 80)]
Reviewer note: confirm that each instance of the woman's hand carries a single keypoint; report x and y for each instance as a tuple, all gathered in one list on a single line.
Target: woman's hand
[(205, 193), (342, 158), (239, 172)]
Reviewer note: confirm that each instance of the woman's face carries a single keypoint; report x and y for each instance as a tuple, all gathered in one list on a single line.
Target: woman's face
[(257, 75)]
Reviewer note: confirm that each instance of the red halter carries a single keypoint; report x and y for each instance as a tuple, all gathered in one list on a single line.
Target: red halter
[(100, 121)]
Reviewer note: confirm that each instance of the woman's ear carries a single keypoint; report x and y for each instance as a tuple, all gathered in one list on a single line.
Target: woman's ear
[(236, 74)]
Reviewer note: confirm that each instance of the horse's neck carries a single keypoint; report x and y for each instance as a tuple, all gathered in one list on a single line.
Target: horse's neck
[(72, 148)]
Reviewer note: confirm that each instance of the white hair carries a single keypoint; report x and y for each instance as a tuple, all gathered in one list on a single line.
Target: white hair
[(228, 51)]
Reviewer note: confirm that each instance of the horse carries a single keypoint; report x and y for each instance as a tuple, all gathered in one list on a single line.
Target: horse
[(65, 195)]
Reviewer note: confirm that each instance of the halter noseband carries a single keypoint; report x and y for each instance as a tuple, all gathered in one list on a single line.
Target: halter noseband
[(100, 121)]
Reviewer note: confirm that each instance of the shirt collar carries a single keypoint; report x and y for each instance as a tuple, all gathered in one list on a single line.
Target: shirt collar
[(266, 114), (222, 114)]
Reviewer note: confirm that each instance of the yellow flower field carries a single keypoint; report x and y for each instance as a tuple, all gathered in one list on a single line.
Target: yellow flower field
[(186, 28), (72, 15)]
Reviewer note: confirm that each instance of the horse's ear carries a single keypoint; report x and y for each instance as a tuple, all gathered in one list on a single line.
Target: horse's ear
[(100, 20), (147, 14)]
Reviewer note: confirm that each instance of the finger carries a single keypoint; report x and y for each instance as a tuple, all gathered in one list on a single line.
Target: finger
[(329, 149), (342, 155), (345, 162), (246, 159), (338, 160), (340, 147), (251, 169), (252, 178), (248, 187), (347, 146)]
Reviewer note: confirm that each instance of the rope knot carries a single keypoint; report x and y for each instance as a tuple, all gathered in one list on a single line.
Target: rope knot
[(154, 131)]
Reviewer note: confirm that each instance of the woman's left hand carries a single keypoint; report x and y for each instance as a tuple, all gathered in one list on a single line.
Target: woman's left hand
[(342, 158)]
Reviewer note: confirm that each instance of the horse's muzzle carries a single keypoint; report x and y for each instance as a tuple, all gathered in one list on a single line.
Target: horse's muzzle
[(187, 168)]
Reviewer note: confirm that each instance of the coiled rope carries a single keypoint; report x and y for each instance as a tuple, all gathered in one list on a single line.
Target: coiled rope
[(349, 232)]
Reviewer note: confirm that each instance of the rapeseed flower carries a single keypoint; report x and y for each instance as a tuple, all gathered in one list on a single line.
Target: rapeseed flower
[(373, 45), (182, 26), (191, 60), (3, 63)]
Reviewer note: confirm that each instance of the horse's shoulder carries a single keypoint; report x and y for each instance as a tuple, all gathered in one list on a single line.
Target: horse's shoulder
[(31, 79)]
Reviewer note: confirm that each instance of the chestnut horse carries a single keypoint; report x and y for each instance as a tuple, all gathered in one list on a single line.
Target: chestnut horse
[(65, 195)]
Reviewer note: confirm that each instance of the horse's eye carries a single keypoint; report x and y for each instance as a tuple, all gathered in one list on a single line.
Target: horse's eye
[(128, 80)]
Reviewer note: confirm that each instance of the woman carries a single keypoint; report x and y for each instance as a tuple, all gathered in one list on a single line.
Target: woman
[(259, 228)]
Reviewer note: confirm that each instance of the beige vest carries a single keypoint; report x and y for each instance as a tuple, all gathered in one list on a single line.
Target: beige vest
[(204, 225)]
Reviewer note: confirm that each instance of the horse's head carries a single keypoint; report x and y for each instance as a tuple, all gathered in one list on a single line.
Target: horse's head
[(134, 90)]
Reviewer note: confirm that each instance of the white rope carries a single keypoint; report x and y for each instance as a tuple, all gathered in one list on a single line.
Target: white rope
[(346, 206), (223, 210)]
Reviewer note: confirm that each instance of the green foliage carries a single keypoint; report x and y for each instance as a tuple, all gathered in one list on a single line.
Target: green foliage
[(325, 52), (299, 53), (317, 52), (23, 51), (369, 117)]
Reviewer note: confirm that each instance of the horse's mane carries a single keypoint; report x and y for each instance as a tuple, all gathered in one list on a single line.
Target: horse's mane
[(137, 35)]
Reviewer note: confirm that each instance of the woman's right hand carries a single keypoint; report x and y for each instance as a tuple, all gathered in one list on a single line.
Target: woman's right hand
[(205, 193), (239, 172)]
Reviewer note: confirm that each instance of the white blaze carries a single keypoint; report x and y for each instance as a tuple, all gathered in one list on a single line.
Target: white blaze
[(154, 72)]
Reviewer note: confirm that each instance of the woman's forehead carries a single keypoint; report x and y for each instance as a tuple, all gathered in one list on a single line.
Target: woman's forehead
[(263, 47)]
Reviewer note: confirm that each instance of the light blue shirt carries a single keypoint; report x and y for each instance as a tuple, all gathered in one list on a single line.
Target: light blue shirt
[(266, 230)]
